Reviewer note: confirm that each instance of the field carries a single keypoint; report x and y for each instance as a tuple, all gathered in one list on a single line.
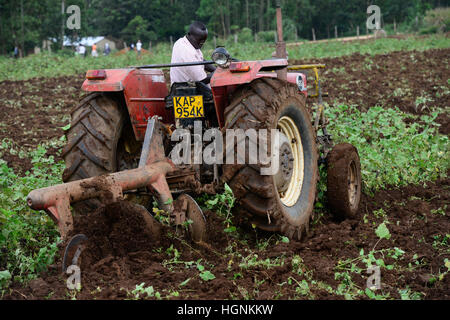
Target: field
[(388, 97)]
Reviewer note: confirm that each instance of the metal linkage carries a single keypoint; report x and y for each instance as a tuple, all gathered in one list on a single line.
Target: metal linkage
[(315, 68), (108, 188)]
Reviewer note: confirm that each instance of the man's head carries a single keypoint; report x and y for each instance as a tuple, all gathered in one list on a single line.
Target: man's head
[(197, 34)]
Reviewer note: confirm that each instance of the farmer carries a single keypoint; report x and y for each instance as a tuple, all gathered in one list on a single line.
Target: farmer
[(82, 50), (107, 49), (139, 48), (187, 49), (94, 50), (16, 52)]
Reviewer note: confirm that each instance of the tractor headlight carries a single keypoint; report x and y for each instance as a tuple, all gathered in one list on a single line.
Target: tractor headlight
[(221, 57)]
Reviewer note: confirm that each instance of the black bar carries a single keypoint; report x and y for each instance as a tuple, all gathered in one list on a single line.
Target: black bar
[(172, 65)]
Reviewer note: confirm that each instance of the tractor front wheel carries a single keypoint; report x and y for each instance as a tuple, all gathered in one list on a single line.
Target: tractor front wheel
[(344, 181)]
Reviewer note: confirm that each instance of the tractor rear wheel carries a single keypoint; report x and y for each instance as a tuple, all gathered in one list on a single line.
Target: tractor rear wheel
[(92, 140), (282, 202)]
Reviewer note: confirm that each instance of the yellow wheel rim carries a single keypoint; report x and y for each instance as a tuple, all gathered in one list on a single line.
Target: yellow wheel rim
[(352, 184), (287, 126)]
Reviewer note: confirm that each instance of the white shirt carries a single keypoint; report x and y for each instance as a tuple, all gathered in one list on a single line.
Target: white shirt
[(138, 46), (184, 51), (82, 50)]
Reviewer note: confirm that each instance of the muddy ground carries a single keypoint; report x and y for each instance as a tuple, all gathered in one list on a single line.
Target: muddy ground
[(256, 265), (251, 264)]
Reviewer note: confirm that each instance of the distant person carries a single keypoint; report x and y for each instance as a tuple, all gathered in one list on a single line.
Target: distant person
[(107, 49), (94, 50), (132, 46), (139, 47), (82, 50), (16, 52)]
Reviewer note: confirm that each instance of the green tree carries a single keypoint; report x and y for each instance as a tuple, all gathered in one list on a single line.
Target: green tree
[(136, 29)]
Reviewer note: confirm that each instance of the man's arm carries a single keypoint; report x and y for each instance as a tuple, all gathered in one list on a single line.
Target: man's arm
[(209, 68)]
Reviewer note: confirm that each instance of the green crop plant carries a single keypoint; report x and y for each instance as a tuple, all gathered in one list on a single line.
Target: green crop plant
[(392, 152), (28, 239)]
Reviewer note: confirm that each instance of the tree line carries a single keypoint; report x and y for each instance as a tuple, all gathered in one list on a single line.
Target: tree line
[(26, 23)]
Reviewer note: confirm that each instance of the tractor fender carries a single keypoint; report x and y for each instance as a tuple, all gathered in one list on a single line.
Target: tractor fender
[(144, 92), (224, 81), (113, 82), (256, 69)]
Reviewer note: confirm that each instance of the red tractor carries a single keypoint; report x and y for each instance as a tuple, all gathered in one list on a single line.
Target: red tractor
[(121, 137)]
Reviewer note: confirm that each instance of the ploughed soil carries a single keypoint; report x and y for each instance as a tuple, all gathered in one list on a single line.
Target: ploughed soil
[(120, 253), (34, 112), (415, 82), (250, 264)]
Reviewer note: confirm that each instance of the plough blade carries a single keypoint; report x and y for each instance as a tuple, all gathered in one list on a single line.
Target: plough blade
[(151, 173), (56, 200)]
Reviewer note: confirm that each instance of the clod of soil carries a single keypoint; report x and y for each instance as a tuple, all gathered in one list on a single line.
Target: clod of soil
[(114, 231)]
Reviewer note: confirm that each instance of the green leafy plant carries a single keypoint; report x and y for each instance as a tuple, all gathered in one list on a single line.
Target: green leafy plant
[(345, 269), (205, 275), (222, 204), (407, 294), (5, 277), (252, 261), (392, 152), (140, 292), (441, 241), (28, 240), (382, 231)]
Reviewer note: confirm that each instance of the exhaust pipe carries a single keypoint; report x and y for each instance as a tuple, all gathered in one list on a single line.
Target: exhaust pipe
[(281, 45)]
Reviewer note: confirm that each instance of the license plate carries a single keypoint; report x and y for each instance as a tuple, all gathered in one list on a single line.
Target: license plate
[(188, 107)]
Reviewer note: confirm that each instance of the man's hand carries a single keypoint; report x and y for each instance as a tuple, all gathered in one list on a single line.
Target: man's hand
[(207, 80), (210, 67)]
